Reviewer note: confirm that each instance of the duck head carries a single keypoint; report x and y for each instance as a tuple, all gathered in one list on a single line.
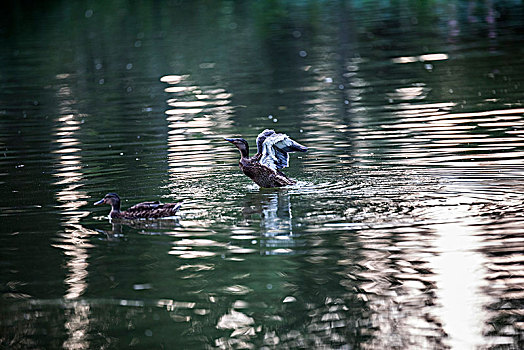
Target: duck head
[(242, 146), (111, 199)]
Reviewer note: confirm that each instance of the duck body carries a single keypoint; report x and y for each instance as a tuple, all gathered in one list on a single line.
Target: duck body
[(263, 175), (272, 155), (144, 210)]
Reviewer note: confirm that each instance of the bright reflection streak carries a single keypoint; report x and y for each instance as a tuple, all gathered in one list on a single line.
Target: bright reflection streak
[(73, 241), (409, 93), (173, 79), (461, 275), (434, 57), (461, 278), (197, 110), (421, 58), (179, 89), (440, 278), (429, 133)]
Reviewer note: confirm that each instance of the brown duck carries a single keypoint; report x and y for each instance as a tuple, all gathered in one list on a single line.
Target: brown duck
[(272, 155), (144, 210)]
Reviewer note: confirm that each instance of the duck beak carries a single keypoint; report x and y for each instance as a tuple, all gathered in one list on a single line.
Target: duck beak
[(102, 201), (229, 140)]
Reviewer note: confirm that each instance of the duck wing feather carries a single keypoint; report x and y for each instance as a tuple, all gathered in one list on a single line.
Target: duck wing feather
[(154, 207), (275, 151), (145, 206)]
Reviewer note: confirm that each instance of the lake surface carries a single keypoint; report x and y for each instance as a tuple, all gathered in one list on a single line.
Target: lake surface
[(404, 231)]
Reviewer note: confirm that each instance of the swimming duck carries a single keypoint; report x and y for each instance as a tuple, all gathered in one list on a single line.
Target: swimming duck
[(272, 155), (144, 210)]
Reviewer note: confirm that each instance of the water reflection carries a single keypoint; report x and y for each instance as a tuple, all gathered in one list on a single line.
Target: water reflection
[(460, 282), (427, 134), (74, 240), (195, 120), (421, 58), (273, 210), (429, 280), (406, 234), (115, 234)]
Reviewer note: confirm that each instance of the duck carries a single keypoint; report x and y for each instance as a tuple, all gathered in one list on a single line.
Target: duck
[(272, 155), (144, 210)]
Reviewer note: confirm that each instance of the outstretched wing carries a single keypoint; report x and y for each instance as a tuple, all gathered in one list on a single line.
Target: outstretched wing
[(275, 151), (262, 137)]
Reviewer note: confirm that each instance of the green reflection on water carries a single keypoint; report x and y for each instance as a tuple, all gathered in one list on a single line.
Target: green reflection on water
[(412, 112)]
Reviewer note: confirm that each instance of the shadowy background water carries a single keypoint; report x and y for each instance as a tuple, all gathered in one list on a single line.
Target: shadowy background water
[(404, 231)]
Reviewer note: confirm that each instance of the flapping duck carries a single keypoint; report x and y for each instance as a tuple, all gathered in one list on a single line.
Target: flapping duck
[(272, 155)]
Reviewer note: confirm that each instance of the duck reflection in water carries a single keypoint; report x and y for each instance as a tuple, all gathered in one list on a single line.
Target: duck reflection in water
[(272, 156), (146, 227), (276, 220), (115, 234), (144, 210)]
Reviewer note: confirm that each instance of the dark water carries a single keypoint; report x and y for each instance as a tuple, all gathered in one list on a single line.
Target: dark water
[(405, 229)]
